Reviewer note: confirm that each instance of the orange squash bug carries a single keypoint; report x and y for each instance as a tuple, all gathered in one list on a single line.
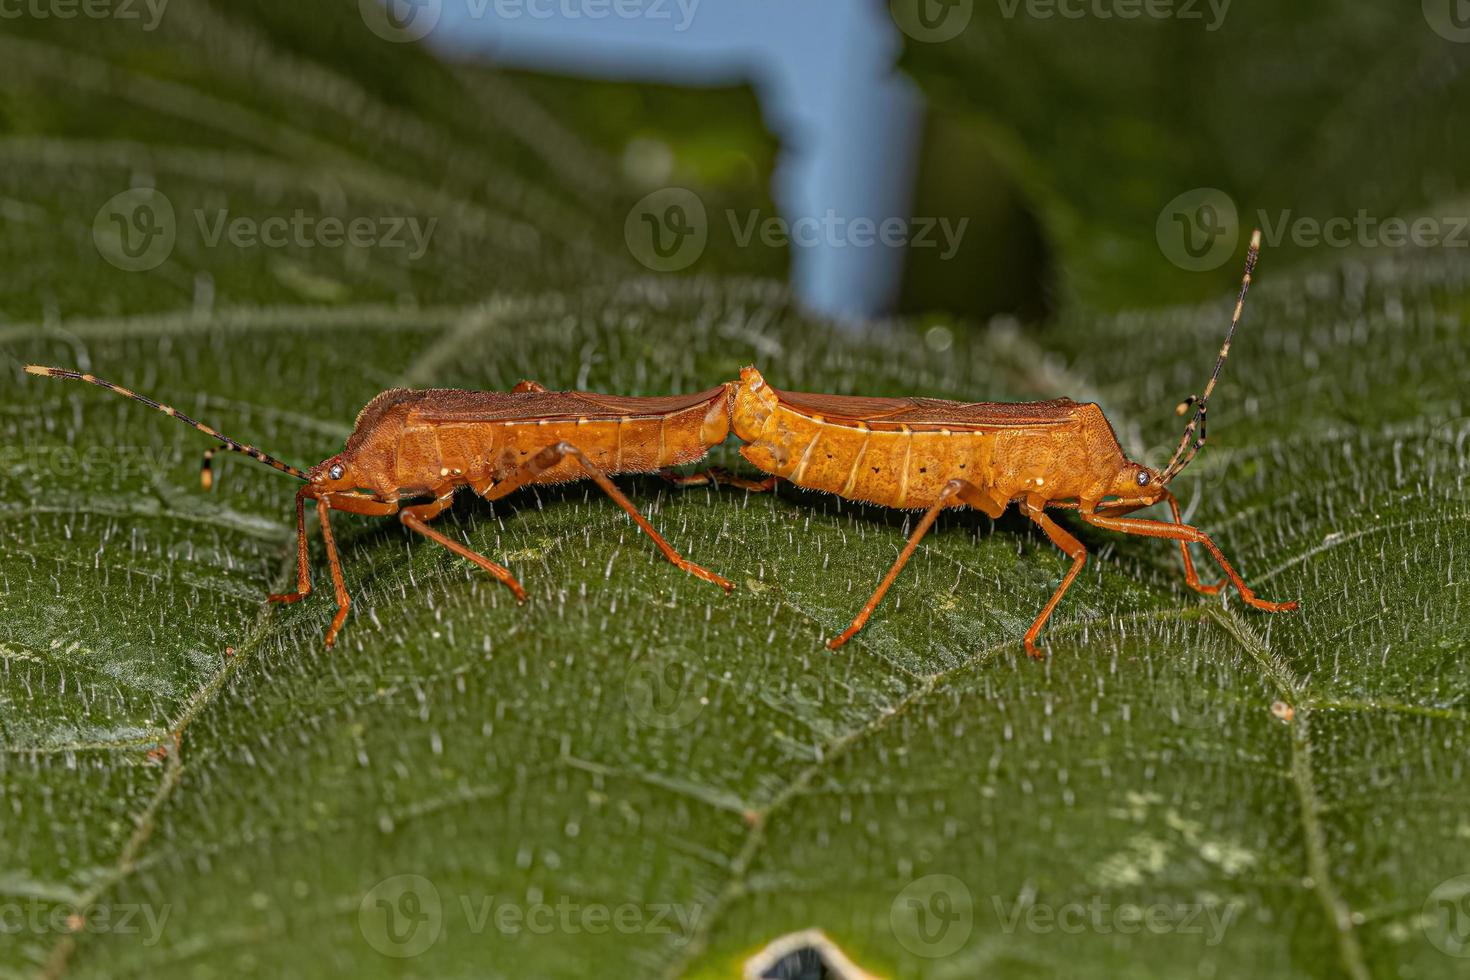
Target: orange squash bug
[(930, 453), (427, 443)]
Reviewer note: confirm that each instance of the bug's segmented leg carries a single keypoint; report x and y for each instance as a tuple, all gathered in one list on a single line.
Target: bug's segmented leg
[(554, 454), (717, 475), (952, 490), (351, 503), (1191, 576), (303, 563), (344, 601), (414, 518), (1074, 549), (1186, 533)]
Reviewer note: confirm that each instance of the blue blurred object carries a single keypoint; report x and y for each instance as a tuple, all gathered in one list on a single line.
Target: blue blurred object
[(848, 123)]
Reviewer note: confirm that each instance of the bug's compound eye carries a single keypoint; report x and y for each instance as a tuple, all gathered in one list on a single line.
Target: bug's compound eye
[(336, 471), (1143, 478)]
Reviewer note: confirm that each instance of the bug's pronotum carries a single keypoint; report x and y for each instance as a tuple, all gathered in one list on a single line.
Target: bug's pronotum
[(425, 444), (929, 454)]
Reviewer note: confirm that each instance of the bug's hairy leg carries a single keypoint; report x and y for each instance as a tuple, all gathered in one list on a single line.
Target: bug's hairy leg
[(1191, 576), (1186, 533), (351, 503), (414, 518), (717, 475), (951, 490), (303, 563), (344, 601), (551, 455), (1074, 549)]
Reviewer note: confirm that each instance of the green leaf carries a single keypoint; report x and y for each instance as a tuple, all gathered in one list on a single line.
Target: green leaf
[(1106, 113), (634, 774)]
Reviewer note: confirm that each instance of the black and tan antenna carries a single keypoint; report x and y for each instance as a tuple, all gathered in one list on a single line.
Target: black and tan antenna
[(171, 412), (1200, 402)]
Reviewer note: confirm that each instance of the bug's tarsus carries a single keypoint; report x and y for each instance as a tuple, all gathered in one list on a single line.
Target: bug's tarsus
[(206, 470), (1190, 444), (229, 444)]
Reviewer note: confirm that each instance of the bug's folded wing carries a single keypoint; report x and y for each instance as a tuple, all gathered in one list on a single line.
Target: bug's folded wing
[(498, 406), (931, 412)]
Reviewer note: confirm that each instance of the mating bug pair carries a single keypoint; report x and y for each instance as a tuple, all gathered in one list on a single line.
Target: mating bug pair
[(912, 453)]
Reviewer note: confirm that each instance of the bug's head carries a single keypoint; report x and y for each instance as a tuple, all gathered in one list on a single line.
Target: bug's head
[(334, 474), (1134, 481)]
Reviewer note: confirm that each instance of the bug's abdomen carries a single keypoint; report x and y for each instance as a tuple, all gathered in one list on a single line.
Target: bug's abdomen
[(621, 444), (892, 466)]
